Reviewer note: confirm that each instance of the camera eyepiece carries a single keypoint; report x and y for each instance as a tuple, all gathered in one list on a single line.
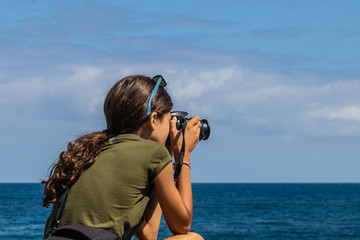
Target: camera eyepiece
[(182, 120)]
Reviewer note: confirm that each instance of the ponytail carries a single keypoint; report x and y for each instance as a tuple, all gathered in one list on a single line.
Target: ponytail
[(78, 157)]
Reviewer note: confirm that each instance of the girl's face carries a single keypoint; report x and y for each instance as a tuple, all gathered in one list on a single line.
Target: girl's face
[(161, 131)]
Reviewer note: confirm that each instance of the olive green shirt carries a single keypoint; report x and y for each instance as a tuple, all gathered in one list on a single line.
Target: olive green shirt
[(113, 193)]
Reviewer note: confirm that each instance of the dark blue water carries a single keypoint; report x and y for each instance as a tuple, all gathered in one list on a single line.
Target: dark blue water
[(223, 211)]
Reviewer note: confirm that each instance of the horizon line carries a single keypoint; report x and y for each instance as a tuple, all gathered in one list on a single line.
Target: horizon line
[(319, 182)]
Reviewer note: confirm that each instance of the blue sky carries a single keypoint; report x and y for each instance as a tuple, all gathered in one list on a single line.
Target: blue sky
[(277, 80)]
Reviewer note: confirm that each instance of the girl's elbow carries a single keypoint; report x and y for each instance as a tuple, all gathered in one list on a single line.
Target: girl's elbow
[(148, 236), (180, 225), (147, 233), (181, 229), (186, 229)]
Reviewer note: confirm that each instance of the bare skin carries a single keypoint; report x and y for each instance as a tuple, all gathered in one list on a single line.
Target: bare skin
[(175, 202)]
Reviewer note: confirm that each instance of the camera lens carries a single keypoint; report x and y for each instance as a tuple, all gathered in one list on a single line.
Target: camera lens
[(204, 130)]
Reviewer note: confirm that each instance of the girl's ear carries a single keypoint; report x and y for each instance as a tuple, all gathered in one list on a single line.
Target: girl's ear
[(153, 120)]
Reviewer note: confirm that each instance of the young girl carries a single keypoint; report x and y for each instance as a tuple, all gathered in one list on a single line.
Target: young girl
[(114, 184)]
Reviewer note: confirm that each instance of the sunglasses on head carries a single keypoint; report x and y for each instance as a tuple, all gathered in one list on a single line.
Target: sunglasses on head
[(160, 81)]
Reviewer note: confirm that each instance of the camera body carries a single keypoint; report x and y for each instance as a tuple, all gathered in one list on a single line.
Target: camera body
[(182, 120)]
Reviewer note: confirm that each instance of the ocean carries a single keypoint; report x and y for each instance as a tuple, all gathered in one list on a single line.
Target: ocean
[(223, 211)]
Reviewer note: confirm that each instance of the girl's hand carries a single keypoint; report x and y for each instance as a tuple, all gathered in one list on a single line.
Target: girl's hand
[(192, 132), (176, 137)]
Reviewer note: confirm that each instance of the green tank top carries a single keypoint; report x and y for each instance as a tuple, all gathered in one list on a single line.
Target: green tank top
[(113, 193)]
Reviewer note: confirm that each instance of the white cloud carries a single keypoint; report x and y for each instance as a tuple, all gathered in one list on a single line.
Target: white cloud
[(22, 90), (76, 90), (82, 74), (195, 84), (345, 113)]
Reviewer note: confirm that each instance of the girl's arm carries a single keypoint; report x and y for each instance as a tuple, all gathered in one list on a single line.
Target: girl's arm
[(150, 227), (176, 201)]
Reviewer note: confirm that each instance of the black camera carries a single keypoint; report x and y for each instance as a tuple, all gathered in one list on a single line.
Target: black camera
[(182, 120)]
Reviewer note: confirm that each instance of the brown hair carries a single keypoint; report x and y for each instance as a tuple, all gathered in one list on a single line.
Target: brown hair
[(125, 111)]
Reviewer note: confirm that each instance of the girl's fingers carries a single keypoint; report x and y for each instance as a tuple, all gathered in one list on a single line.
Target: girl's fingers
[(173, 125), (198, 131), (193, 121)]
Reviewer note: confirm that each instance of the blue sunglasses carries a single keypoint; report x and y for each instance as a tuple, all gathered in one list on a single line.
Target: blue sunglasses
[(160, 81)]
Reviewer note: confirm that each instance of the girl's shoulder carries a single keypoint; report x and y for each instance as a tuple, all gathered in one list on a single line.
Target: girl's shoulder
[(134, 139), (132, 142)]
